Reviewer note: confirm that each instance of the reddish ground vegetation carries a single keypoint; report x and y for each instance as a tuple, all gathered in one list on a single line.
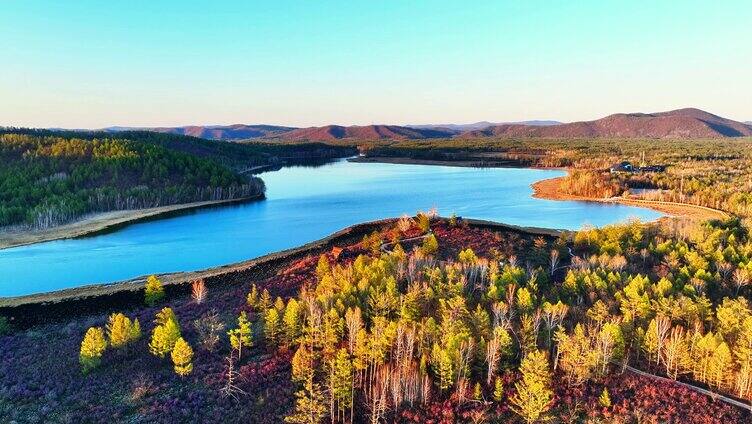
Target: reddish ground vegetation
[(634, 399), (41, 381), (483, 242)]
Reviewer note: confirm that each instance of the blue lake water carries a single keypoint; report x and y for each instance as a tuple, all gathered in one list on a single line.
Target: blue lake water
[(302, 204)]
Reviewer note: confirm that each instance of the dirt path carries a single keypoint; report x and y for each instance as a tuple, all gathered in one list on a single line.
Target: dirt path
[(713, 395), (97, 222)]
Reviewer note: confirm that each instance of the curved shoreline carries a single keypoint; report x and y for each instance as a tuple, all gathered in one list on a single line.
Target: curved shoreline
[(90, 298), (545, 189), (466, 163), (103, 221), (549, 189)]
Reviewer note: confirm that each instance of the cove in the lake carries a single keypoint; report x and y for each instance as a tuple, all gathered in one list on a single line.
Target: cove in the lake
[(302, 204)]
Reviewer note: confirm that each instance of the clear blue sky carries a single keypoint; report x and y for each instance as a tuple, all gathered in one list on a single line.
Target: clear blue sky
[(99, 63)]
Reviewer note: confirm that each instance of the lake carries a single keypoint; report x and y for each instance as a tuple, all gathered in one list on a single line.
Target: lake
[(303, 204)]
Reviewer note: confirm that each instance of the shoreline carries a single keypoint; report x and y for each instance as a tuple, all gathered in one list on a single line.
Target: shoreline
[(98, 222), (543, 189), (478, 163), (126, 293), (548, 189), (103, 221)]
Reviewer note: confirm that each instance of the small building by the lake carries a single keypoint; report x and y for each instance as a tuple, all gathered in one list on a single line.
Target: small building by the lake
[(622, 167), (627, 167)]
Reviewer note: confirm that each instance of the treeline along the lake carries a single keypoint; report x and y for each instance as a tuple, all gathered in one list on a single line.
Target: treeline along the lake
[(49, 180), (52, 177), (715, 173)]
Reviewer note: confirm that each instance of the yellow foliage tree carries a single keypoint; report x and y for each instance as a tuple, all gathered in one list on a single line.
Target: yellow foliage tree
[(604, 399), (430, 245), (92, 347), (272, 326), (498, 393), (153, 292), (182, 355), (533, 397), (120, 330), (423, 221), (241, 336), (720, 367), (467, 257), (164, 337), (164, 315), (576, 357)]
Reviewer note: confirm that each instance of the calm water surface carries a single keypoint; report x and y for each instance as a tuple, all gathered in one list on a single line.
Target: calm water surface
[(303, 204)]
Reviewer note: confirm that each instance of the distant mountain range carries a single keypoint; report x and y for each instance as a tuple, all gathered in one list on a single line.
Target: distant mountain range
[(460, 128), (216, 132), (681, 123), (366, 132)]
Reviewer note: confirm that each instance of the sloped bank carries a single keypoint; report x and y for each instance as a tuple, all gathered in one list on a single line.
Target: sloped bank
[(107, 221), (27, 311)]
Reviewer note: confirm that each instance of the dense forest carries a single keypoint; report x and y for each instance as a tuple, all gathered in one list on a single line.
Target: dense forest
[(711, 173), (396, 329), (48, 178), (46, 181)]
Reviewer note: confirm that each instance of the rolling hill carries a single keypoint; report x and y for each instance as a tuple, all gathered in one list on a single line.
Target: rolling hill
[(681, 123), (216, 132), (459, 128), (367, 132)]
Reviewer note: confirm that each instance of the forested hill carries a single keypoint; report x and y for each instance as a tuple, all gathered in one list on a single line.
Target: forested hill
[(51, 177), (238, 156), (47, 180)]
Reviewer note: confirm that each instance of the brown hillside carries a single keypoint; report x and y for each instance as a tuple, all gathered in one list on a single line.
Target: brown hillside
[(681, 123), (368, 132), (214, 132), (228, 132)]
